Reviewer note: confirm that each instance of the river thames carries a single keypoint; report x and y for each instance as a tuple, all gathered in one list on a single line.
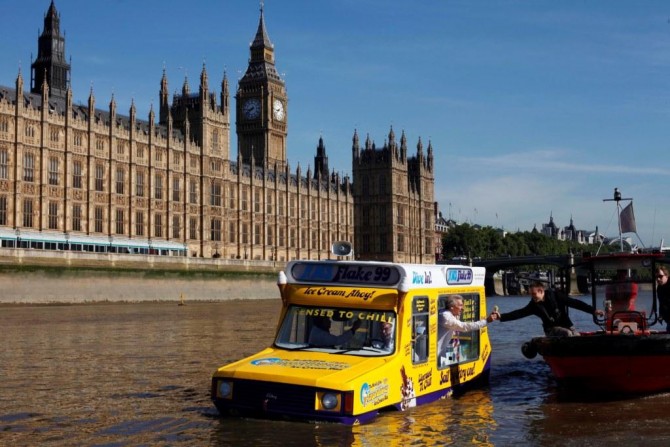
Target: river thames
[(139, 374)]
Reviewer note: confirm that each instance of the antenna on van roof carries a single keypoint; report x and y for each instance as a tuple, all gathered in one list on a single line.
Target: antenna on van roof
[(342, 248)]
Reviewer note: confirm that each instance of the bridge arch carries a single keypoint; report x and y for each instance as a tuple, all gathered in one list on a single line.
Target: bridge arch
[(564, 263)]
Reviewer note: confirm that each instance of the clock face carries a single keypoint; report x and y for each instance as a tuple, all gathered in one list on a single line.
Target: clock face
[(278, 109), (252, 108)]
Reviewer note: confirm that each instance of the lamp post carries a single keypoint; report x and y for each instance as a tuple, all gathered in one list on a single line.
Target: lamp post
[(111, 240), (67, 241), (18, 238)]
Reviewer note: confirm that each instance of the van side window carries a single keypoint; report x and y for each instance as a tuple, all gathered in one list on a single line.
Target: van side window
[(420, 332), (461, 347)]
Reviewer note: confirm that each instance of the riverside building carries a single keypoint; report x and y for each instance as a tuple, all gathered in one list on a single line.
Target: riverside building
[(85, 178)]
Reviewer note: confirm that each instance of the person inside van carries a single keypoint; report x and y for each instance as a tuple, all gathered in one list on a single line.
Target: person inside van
[(449, 321), (320, 335), (387, 336)]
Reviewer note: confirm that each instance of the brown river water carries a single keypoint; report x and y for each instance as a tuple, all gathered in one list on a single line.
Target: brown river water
[(129, 374)]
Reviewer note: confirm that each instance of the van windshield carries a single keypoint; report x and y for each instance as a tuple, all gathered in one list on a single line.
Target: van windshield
[(338, 330)]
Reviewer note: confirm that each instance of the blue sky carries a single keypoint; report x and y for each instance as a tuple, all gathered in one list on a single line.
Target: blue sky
[(532, 107)]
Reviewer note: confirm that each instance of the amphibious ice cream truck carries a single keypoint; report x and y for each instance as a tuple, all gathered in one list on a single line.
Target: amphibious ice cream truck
[(355, 338)]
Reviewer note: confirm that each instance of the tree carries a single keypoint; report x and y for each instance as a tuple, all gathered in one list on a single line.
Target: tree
[(486, 242)]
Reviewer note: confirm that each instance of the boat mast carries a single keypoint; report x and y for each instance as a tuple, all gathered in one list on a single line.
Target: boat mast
[(617, 198)]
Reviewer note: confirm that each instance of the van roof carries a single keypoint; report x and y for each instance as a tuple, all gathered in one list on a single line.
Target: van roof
[(382, 274)]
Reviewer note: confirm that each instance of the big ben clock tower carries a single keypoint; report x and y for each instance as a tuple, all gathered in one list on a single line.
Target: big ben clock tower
[(262, 106), (50, 65)]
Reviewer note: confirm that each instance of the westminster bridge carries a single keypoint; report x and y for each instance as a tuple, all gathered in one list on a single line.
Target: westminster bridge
[(556, 264), (565, 272)]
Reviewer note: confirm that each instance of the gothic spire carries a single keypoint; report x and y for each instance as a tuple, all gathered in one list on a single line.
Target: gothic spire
[(261, 39), (355, 145), (163, 107), (185, 89), (403, 146), (225, 94), (204, 84), (164, 84), (430, 155), (321, 160), (50, 66), (262, 60)]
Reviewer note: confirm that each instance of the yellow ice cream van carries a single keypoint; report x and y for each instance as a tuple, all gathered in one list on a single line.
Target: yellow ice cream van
[(355, 338)]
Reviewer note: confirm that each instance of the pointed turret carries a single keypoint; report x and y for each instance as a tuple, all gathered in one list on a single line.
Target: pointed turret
[(44, 110), (430, 156), (133, 115), (419, 151), (152, 117), (355, 146), (45, 88), (112, 105), (321, 160), (68, 102), (112, 111), (164, 108), (187, 127), (185, 89), (225, 94), (91, 103), (393, 146), (19, 86), (203, 82)]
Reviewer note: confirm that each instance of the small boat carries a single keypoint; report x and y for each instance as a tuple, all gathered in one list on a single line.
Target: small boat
[(626, 356), (382, 348)]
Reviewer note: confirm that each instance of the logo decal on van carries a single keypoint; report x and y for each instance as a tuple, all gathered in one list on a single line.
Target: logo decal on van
[(459, 276), (375, 393), (422, 278)]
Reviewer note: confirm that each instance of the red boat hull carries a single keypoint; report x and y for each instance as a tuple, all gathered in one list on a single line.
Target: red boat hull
[(609, 364), (612, 374)]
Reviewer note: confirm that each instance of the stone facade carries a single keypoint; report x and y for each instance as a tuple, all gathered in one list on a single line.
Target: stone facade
[(394, 210), (77, 169)]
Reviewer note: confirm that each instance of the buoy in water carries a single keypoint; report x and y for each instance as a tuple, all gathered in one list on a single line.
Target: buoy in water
[(181, 300)]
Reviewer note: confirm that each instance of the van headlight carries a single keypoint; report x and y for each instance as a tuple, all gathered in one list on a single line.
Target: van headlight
[(225, 389), (330, 401)]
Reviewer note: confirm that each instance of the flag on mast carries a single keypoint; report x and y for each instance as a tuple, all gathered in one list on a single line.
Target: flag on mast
[(627, 219)]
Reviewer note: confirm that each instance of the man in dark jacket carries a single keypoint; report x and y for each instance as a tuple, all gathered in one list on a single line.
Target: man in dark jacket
[(552, 309)]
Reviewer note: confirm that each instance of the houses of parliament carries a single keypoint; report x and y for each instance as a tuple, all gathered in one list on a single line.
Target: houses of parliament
[(90, 178)]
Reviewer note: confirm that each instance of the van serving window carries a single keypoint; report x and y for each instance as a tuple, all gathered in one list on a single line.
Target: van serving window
[(420, 332), (462, 347)]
